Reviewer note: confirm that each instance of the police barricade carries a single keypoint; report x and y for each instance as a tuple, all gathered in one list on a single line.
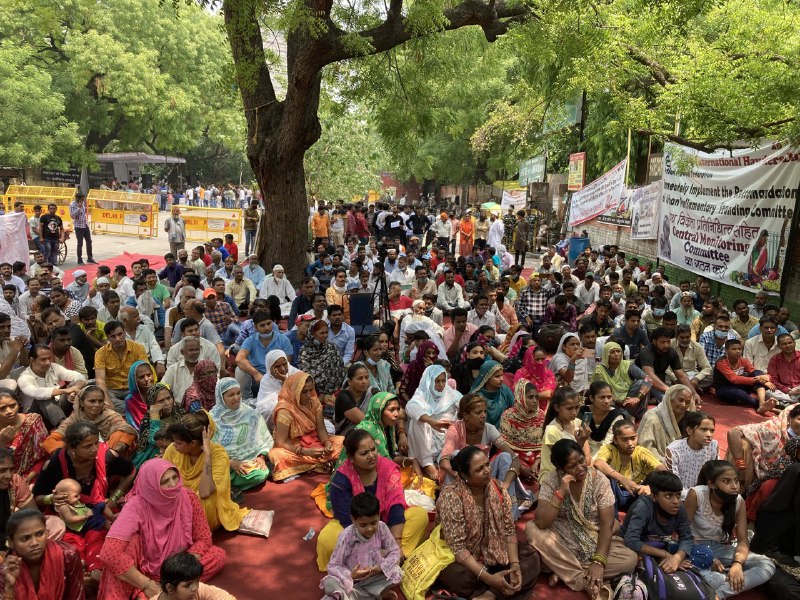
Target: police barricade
[(123, 213), (203, 224), (31, 195)]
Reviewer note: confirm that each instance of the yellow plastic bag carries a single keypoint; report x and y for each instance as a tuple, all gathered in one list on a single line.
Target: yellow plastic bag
[(424, 565)]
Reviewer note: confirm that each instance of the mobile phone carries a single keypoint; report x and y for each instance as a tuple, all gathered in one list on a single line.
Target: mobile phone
[(586, 418)]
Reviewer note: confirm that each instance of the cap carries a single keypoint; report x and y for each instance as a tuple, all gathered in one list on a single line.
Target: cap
[(207, 244), (209, 292), (353, 286), (589, 274), (79, 273), (301, 318), (686, 295), (252, 256), (102, 280)]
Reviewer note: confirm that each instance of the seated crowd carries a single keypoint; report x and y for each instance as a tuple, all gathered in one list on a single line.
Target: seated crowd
[(136, 409)]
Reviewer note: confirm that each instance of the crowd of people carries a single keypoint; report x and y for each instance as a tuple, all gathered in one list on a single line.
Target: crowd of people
[(137, 408)]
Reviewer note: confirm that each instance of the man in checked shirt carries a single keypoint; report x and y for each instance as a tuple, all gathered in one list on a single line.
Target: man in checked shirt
[(533, 302)]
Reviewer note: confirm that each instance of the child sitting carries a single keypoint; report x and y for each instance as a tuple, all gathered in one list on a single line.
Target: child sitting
[(718, 518), (685, 457), (76, 515), (180, 579), (86, 525), (653, 521), (366, 560), (736, 381), (626, 464), (563, 423), (162, 439)]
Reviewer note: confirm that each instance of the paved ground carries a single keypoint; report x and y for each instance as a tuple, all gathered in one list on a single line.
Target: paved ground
[(107, 246)]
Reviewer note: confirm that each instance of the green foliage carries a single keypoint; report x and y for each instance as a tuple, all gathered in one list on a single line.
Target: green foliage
[(120, 75), (348, 158)]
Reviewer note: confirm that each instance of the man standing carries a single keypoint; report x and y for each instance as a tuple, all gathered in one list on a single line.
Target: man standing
[(251, 219), (77, 210), (51, 227), (175, 227), (521, 233), (33, 225), (496, 231)]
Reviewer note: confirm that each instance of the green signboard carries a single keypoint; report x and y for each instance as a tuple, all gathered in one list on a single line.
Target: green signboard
[(532, 170)]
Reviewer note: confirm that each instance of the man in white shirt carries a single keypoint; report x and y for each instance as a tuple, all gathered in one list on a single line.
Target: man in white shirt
[(124, 287), (189, 328), (496, 231), (26, 299), (137, 332), (95, 295), (481, 315), (180, 374), (402, 274), (761, 348), (41, 383), (279, 286), (589, 290), (450, 295)]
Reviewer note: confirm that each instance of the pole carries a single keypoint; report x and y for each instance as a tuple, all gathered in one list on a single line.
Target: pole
[(790, 246), (628, 157)]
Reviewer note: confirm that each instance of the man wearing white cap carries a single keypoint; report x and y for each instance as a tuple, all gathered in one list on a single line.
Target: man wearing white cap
[(254, 272), (80, 287), (95, 296), (279, 286)]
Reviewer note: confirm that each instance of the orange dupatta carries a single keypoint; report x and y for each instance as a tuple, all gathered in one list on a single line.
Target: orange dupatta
[(304, 419)]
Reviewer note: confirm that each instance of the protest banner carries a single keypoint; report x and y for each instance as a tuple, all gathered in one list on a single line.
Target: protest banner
[(620, 213), (728, 215), (645, 203), (13, 239), (599, 196), (513, 200)]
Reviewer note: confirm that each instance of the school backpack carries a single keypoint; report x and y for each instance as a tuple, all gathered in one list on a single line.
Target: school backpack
[(683, 584)]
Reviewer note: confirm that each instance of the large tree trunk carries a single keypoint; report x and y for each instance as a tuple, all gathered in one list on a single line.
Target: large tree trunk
[(284, 228)]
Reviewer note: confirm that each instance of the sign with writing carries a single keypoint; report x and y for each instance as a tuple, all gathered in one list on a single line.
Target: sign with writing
[(602, 195), (202, 224), (513, 200), (532, 170), (577, 171), (620, 213), (121, 214), (71, 177), (645, 204), (728, 215)]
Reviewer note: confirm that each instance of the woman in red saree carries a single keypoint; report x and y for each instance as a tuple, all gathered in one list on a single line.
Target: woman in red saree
[(522, 426), (467, 229), (25, 437), (301, 442), (37, 568)]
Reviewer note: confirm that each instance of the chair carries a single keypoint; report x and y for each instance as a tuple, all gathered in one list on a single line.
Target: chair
[(361, 319)]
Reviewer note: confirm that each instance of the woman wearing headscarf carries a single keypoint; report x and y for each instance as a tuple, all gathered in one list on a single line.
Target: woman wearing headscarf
[(24, 436), (301, 442), (497, 394), (278, 369), (90, 405), (200, 394), (320, 359), (467, 369), (141, 376), (380, 371), (427, 353), (162, 412), (629, 384), (430, 412), (205, 469), (161, 517), (536, 369), (477, 525), (243, 433), (664, 424), (570, 363), (522, 426)]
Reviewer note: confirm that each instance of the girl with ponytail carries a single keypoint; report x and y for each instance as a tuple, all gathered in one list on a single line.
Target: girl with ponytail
[(718, 517)]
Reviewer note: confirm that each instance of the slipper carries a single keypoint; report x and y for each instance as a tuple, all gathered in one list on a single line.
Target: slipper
[(445, 595)]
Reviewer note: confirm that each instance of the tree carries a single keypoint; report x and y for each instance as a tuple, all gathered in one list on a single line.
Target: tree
[(319, 33), (128, 74)]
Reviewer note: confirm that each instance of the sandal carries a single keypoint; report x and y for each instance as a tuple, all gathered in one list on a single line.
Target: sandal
[(445, 595)]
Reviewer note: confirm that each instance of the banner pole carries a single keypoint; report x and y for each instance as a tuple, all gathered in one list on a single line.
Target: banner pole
[(790, 246), (628, 157)]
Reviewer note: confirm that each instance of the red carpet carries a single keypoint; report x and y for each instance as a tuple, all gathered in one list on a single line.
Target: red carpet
[(157, 262), (285, 564)]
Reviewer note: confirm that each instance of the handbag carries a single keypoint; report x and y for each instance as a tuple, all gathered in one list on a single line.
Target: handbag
[(684, 584), (424, 565)]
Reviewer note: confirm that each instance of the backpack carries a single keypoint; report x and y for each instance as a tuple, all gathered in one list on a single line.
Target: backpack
[(686, 585)]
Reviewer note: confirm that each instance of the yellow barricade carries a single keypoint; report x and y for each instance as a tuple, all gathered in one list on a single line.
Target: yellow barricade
[(123, 213), (31, 195), (202, 224)]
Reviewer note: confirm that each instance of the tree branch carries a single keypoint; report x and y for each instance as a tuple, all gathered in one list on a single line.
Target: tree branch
[(659, 71), (493, 17)]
